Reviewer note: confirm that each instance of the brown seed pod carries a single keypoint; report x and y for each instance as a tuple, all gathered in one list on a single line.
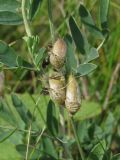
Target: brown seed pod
[(57, 87), (73, 99), (57, 57)]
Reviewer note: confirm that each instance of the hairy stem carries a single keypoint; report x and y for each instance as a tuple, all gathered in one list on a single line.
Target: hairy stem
[(27, 27)]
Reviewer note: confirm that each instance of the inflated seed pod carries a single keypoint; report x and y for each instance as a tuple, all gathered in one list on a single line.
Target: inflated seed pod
[(73, 98), (57, 56), (57, 88)]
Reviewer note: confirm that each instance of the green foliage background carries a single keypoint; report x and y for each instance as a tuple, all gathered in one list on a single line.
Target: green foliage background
[(98, 131)]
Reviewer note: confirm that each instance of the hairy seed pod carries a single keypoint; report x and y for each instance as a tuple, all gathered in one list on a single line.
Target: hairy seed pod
[(57, 57), (73, 99), (57, 88)]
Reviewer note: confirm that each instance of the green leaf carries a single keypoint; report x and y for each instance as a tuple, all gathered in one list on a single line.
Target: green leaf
[(85, 15), (87, 19), (39, 56), (7, 55), (21, 63), (5, 135), (71, 62), (109, 123), (34, 8), (107, 155), (98, 151), (88, 110), (8, 151), (9, 14), (92, 55), (32, 43), (108, 126), (24, 113), (5, 114), (48, 148), (9, 18), (9, 58), (30, 104), (78, 37), (84, 69), (82, 131), (104, 6), (116, 157), (21, 148), (9, 5), (52, 123)]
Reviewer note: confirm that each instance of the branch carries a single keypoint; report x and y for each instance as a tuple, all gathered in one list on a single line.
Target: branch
[(114, 77), (27, 27)]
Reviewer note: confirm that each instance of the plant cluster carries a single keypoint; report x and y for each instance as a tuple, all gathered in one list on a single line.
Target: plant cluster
[(31, 126)]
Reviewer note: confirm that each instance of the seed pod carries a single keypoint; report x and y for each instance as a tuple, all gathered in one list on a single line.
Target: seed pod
[(57, 57), (57, 88), (73, 99)]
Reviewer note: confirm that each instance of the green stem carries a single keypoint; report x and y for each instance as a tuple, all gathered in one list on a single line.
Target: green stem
[(27, 27), (37, 107), (101, 44), (62, 121), (28, 30), (28, 142), (38, 139), (115, 5), (51, 20), (77, 139)]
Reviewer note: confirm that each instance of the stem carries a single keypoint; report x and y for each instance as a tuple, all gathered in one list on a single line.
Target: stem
[(18, 129), (51, 21), (101, 44), (39, 137), (62, 121), (77, 139), (28, 142), (37, 107), (114, 77), (27, 27), (115, 5)]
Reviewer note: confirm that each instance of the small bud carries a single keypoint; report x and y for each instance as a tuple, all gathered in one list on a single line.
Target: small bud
[(58, 54), (57, 88), (73, 99)]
